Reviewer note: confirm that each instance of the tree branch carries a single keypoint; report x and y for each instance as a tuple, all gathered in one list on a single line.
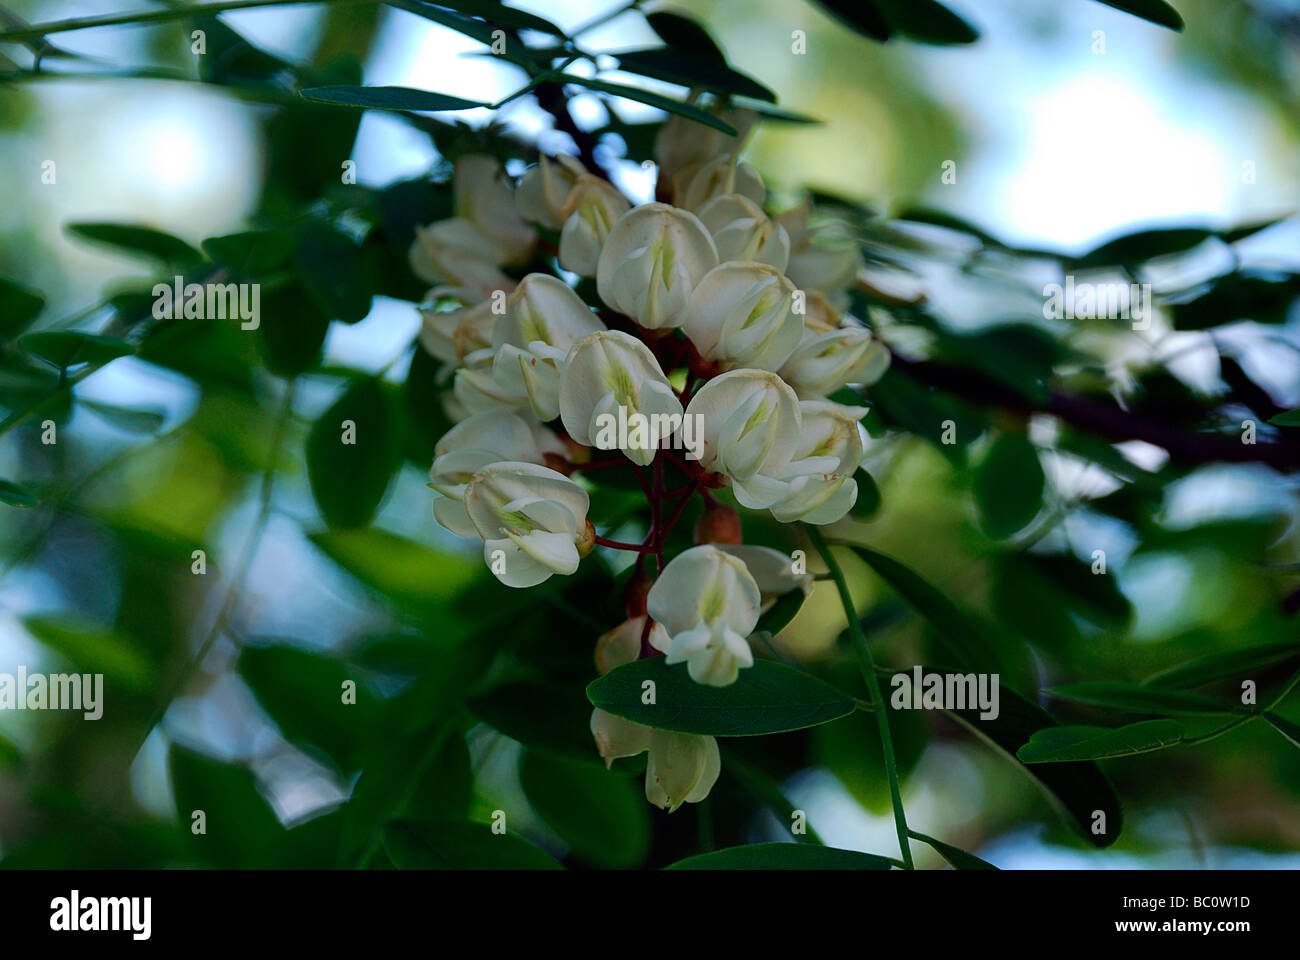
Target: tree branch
[(1103, 419)]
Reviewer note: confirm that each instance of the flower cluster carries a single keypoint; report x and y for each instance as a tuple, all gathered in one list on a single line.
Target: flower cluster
[(717, 344)]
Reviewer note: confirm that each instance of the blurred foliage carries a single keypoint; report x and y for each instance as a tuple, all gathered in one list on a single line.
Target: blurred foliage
[(980, 557)]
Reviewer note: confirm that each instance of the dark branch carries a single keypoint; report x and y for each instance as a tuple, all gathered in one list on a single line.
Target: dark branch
[(1103, 419)]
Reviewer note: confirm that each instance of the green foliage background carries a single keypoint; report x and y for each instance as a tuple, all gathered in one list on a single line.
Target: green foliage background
[(472, 697)]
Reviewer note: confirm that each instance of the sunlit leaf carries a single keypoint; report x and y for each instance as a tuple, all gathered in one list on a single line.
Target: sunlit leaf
[(1063, 744)]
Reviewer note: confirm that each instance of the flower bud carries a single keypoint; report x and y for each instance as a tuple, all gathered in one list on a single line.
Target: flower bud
[(718, 524), (543, 319), (623, 644), (482, 195), (450, 335), (697, 184), (824, 362), (823, 254), (740, 315), (545, 188), (468, 447), (455, 251), (614, 396), (652, 259), (708, 605), (683, 767), (479, 387), (742, 231), (531, 520), (681, 141), (750, 425), (824, 496), (592, 209), (616, 737)]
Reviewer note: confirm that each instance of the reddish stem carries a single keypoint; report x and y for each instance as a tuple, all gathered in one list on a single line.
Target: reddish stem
[(620, 545)]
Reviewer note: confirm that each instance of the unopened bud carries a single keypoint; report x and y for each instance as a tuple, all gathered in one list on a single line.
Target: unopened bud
[(718, 524)]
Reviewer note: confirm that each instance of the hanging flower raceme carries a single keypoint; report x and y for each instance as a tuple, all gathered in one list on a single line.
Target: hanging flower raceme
[(533, 521), (651, 261), (707, 602), (723, 331), (614, 396)]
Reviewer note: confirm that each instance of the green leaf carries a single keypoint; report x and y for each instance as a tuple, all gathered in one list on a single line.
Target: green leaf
[(90, 649), (476, 29), (1139, 699), (1154, 11), (783, 856), (1060, 744), (18, 308), (334, 271), (411, 575), (389, 98), (1283, 726), (860, 16), (459, 846), (252, 252), (1288, 418), (352, 453), (868, 501), (292, 329), (684, 34), (241, 829), (957, 857), (550, 717), (683, 69), (136, 239), (779, 615), (1133, 248), (957, 633), (766, 698), (303, 693), (927, 21), (499, 14), (133, 419), (1218, 666), (16, 496), (651, 99), (602, 815), (1078, 790), (1008, 485), (66, 348)]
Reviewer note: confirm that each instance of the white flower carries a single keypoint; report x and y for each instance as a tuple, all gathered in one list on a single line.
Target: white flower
[(681, 142), (623, 644), (455, 251), (697, 184), (533, 521), (611, 379), (593, 207), (479, 389), (824, 362), (482, 195), (750, 425), (545, 188), (450, 335), (708, 603), (617, 737), (740, 315), (468, 447), (742, 231), (543, 319), (772, 570), (652, 259), (682, 768), (823, 253), (824, 496)]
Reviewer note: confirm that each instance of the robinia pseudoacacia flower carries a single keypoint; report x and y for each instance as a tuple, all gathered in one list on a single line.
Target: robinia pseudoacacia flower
[(719, 355)]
